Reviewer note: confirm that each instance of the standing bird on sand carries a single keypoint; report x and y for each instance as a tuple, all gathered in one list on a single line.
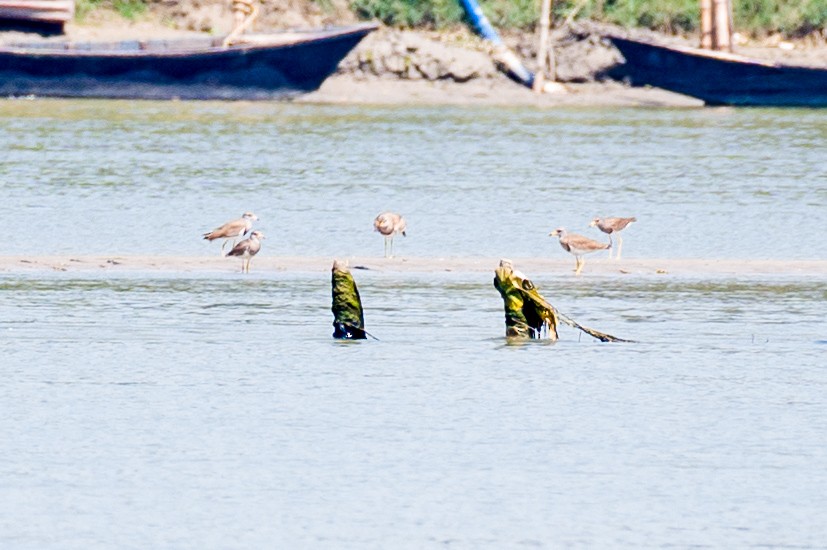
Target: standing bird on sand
[(577, 245), (232, 230), (389, 224), (613, 225), (247, 248)]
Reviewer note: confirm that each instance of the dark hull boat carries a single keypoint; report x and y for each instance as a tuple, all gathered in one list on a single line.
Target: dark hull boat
[(721, 78), (261, 67), (55, 12)]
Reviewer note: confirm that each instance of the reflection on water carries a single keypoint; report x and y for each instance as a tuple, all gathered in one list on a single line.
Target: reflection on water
[(181, 412), (149, 177)]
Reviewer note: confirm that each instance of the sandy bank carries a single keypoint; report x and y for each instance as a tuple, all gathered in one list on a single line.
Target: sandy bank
[(396, 67), (344, 89), (10, 265)]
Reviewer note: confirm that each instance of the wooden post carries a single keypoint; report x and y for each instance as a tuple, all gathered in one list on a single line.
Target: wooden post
[(722, 39), (730, 19), (542, 49), (706, 24)]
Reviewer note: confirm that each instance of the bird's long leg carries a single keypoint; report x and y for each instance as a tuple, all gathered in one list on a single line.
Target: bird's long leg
[(391, 245), (611, 246), (223, 245), (619, 246), (579, 268), (386, 246)]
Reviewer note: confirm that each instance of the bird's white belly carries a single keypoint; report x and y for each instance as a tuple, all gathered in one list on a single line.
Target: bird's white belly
[(581, 251)]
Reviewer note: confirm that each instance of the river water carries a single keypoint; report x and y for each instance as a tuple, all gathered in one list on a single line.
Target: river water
[(213, 410), (119, 177)]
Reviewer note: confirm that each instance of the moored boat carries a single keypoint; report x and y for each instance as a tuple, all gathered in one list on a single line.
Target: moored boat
[(37, 11), (720, 78), (255, 66)]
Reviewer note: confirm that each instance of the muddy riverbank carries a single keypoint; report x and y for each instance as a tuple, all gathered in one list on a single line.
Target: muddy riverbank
[(393, 66)]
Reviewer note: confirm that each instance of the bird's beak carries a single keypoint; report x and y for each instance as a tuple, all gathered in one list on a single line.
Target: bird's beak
[(553, 233), (593, 223)]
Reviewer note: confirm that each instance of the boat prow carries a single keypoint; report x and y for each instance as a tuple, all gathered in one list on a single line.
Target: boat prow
[(720, 78)]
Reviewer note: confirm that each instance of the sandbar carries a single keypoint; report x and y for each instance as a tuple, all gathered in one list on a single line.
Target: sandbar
[(532, 267)]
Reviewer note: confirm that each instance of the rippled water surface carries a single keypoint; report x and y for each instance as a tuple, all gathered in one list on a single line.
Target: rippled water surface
[(147, 410), (120, 177)]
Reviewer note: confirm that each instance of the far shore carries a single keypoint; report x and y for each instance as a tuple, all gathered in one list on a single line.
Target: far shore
[(532, 267), (353, 86), (348, 88)]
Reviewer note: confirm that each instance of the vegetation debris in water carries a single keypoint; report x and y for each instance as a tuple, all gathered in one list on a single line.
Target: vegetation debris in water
[(348, 316), (528, 314)]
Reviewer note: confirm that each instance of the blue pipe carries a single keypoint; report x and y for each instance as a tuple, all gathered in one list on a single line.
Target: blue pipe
[(482, 26)]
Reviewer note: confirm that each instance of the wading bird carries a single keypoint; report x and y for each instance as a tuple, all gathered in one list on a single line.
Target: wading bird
[(246, 249), (578, 245), (232, 230), (389, 224), (613, 225)]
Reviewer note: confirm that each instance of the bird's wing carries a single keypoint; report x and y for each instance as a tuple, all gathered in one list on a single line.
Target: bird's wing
[(240, 248), (618, 224), (584, 243), (231, 229)]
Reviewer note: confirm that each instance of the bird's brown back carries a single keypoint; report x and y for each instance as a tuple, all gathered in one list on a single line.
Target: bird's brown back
[(610, 225), (579, 242), (249, 246), (234, 228)]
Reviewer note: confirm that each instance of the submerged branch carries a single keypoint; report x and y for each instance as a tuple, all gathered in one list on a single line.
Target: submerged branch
[(528, 313)]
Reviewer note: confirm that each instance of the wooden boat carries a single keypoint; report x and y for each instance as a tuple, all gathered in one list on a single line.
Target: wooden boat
[(37, 11), (720, 78), (257, 67)]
